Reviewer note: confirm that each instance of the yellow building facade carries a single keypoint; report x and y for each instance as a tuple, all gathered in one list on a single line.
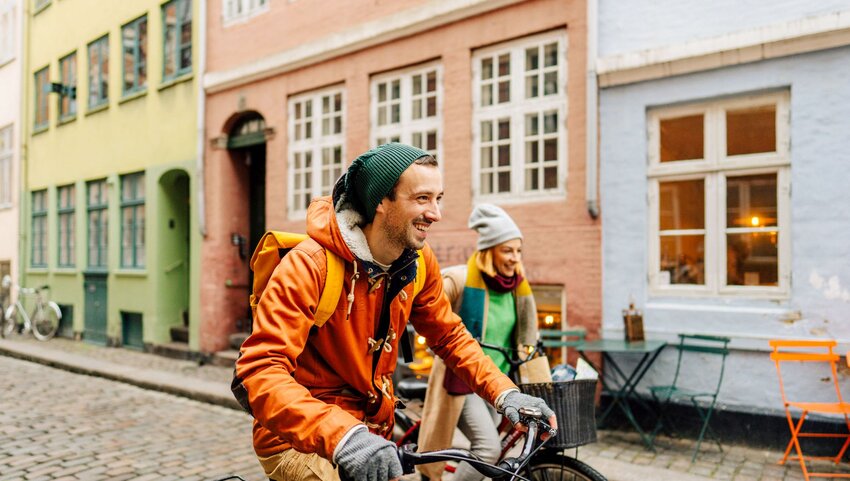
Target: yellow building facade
[(109, 166)]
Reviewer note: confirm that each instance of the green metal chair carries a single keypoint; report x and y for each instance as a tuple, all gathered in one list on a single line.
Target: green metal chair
[(557, 339), (704, 398), (566, 338)]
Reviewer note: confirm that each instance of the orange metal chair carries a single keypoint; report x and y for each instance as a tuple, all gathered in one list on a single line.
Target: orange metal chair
[(810, 351)]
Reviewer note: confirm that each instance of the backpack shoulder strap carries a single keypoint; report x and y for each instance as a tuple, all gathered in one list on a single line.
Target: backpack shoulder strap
[(329, 298)]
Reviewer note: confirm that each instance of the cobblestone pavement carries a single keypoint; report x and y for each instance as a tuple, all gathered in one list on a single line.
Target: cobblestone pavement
[(59, 425)]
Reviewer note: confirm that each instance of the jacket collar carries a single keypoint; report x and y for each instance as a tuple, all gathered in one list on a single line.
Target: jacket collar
[(349, 222)]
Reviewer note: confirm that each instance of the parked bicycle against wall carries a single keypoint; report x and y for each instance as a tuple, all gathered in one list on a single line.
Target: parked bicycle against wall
[(43, 321)]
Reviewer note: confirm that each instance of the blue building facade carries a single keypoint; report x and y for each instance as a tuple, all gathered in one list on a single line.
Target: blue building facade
[(724, 154)]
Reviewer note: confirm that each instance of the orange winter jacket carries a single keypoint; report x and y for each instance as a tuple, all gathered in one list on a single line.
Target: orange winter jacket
[(306, 385)]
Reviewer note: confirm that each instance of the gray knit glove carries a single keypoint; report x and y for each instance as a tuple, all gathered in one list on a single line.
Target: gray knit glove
[(515, 400), (368, 457)]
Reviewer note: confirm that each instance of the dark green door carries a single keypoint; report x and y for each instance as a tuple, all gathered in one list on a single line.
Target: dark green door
[(95, 322)]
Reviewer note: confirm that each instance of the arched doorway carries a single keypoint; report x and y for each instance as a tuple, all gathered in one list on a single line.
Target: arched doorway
[(246, 144), (173, 250)]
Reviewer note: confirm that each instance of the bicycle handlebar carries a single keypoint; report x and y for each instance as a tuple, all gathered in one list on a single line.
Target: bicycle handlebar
[(507, 354), (532, 418)]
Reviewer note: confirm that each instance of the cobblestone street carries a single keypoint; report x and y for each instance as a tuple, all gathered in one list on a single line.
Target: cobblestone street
[(59, 425), (55, 424)]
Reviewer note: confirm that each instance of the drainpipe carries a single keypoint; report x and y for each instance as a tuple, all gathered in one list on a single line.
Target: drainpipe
[(592, 107), (200, 121), (24, 135)]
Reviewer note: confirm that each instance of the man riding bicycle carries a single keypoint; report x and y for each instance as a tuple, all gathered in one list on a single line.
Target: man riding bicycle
[(322, 397)]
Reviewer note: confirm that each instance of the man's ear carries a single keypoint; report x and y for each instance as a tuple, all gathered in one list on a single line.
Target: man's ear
[(381, 208)]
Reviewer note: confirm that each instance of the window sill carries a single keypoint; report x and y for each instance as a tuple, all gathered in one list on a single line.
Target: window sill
[(513, 198), (133, 95), (6, 61), (66, 120), (40, 129), (97, 108), (37, 270), (776, 294), (128, 272), (6, 206), (65, 271), (167, 83)]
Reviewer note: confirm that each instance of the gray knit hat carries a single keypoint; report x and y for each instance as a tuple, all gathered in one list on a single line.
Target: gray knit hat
[(372, 175), (493, 225)]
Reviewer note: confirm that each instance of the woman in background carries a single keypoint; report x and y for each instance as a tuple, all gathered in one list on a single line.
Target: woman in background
[(495, 302)]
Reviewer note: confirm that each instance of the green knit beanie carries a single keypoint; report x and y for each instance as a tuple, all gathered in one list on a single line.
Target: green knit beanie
[(372, 175)]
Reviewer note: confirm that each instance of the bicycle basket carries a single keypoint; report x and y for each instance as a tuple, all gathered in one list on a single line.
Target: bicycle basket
[(574, 404)]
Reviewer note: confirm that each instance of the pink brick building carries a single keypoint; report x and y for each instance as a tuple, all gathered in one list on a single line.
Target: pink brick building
[(496, 89)]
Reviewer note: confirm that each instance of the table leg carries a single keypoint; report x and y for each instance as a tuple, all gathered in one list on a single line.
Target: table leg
[(621, 397)]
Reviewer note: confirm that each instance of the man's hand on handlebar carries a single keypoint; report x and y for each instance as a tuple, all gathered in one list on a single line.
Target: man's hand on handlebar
[(516, 400), (368, 457)]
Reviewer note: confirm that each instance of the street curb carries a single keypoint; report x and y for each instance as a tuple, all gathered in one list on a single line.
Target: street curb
[(196, 389)]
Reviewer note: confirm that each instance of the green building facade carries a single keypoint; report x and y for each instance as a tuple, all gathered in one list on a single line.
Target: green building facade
[(109, 167)]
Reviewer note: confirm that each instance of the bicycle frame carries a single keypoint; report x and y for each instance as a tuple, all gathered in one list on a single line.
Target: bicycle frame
[(506, 467)]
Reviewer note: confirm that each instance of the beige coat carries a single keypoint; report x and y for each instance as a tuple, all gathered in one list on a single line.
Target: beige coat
[(441, 411)]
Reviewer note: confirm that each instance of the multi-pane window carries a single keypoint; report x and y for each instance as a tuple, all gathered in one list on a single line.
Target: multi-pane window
[(39, 229), (6, 166), (177, 44), (65, 220), (719, 190), (68, 78), (316, 154), (99, 72), (134, 53), (98, 223), (41, 117), (233, 10), (406, 107), (133, 220), (520, 117), (8, 29)]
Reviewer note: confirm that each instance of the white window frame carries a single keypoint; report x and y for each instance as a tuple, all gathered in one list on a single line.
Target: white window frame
[(714, 168), (7, 150), (407, 127), (240, 11), (8, 31), (314, 146), (515, 111)]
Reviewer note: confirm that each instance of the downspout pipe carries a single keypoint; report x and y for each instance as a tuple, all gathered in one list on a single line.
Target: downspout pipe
[(592, 108), (24, 137), (201, 119)]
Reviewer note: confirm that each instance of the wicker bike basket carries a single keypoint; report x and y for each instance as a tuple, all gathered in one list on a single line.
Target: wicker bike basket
[(573, 403)]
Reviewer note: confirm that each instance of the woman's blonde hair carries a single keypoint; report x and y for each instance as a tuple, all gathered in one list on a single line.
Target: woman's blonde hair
[(484, 262)]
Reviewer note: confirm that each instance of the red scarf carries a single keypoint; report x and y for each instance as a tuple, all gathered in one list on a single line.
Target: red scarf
[(500, 283)]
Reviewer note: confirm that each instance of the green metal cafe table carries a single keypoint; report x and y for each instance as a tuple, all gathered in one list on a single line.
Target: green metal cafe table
[(616, 381)]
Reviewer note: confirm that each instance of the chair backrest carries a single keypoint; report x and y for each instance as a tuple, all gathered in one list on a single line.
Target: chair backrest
[(705, 345), (562, 338), (805, 351)]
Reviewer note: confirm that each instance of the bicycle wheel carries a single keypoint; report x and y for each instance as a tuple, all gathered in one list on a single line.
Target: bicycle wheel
[(45, 322), (9, 321), (555, 466)]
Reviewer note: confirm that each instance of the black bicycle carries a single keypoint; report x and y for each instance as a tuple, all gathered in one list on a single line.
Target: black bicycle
[(542, 463)]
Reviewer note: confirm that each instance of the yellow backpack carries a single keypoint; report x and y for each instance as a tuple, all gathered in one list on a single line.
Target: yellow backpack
[(276, 244)]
